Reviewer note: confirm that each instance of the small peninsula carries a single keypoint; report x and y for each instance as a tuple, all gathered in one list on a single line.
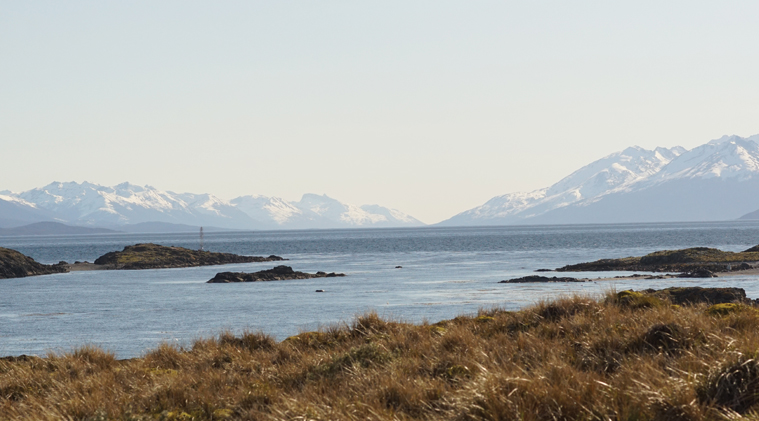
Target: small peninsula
[(17, 265), (154, 256), (279, 273), (690, 260)]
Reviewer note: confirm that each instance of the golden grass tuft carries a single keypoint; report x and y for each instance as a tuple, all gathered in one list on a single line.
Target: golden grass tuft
[(622, 357)]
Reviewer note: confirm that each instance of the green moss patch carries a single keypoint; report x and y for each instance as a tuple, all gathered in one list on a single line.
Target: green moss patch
[(634, 299)]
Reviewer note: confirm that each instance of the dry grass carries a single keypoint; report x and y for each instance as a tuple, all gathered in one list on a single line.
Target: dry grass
[(618, 358)]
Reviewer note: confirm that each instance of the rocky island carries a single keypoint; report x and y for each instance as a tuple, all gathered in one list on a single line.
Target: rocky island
[(154, 256), (540, 279), (16, 265), (279, 273), (699, 261)]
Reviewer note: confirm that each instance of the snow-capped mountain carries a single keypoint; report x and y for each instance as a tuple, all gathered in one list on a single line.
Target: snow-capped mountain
[(727, 157), (393, 216), (127, 204), (610, 172), (715, 181), (354, 216), (315, 211), (276, 212), (96, 205), (15, 212)]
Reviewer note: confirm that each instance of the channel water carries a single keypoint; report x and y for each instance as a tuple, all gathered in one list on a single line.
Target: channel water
[(444, 272)]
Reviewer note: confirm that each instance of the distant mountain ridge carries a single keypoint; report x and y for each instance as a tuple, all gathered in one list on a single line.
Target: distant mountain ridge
[(128, 205), (51, 228), (715, 181)]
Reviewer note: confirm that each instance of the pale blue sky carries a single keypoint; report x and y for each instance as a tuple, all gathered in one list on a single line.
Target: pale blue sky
[(431, 107)]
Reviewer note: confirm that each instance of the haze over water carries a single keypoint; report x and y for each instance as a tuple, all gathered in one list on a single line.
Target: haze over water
[(445, 272)]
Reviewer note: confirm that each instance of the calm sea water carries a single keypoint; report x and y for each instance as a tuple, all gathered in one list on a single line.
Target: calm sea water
[(446, 272)]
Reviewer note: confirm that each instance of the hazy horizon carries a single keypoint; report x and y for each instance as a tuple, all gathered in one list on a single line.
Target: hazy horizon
[(428, 107)]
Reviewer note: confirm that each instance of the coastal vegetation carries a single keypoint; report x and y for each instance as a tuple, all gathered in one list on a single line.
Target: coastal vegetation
[(632, 355), (683, 260), (154, 256)]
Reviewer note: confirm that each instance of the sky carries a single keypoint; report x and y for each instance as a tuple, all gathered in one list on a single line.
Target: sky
[(429, 107)]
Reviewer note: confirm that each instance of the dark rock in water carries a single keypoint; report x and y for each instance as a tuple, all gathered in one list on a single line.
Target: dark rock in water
[(16, 265), (543, 270), (399, 267), (695, 295), (279, 273), (754, 249), (154, 256), (698, 273), (537, 278)]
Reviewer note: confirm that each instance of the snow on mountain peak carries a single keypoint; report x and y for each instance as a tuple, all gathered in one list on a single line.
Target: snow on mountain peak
[(628, 172), (724, 139), (126, 203), (279, 211), (9, 196), (613, 171), (729, 156), (391, 214), (319, 211), (334, 210)]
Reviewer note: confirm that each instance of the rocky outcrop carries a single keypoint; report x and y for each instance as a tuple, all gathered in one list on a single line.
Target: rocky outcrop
[(154, 256), (540, 279), (696, 295), (16, 265), (279, 273), (698, 259)]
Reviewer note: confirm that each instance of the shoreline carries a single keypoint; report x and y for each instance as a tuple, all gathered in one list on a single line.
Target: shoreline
[(749, 272), (86, 266), (632, 277), (554, 360)]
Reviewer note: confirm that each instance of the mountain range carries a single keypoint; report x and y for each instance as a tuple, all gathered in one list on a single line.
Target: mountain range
[(715, 181), (128, 207)]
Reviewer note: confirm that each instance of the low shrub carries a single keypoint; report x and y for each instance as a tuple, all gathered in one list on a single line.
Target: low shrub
[(734, 386), (666, 337), (248, 341)]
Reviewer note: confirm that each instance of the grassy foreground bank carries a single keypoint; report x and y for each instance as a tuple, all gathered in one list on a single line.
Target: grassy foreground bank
[(625, 356)]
